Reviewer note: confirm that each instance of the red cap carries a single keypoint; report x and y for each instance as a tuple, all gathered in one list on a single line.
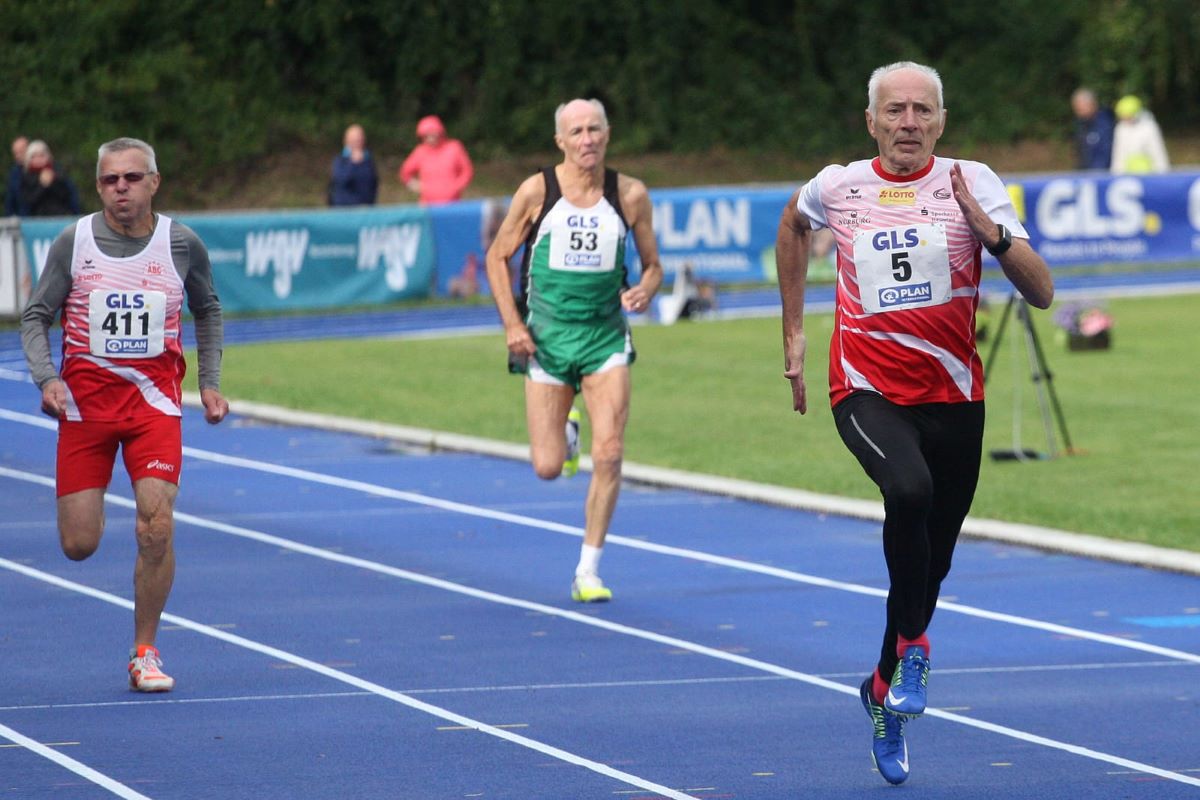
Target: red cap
[(430, 126)]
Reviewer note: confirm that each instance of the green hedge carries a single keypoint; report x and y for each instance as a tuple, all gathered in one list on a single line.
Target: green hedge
[(217, 85)]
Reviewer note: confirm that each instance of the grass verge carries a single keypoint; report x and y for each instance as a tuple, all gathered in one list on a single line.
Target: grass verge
[(710, 397)]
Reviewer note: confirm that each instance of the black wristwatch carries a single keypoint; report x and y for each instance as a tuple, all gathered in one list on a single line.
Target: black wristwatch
[(1005, 242)]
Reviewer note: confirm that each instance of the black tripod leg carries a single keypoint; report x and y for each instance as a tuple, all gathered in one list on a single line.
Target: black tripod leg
[(1049, 380), (1008, 307)]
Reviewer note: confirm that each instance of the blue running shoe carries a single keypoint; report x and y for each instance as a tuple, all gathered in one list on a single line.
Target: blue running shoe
[(906, 695), (888, 748)]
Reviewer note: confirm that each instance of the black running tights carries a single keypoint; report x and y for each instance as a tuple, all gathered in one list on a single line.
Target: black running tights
[(925, 460)]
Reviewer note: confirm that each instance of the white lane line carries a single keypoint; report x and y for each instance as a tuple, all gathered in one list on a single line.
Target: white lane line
[(943, 672), (78, 767), (625, 541), (438, 583), (350, 680)]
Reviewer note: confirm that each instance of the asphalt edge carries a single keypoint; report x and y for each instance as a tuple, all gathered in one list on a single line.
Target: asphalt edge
[(1033, 536)]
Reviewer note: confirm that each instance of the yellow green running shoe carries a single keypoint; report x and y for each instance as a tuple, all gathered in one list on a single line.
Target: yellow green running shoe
[(571, 464), (588, 588)]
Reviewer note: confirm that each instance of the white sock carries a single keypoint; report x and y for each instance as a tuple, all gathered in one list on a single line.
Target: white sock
[(589, 560)]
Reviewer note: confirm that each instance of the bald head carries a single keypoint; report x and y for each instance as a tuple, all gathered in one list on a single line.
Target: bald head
[(574, 108)]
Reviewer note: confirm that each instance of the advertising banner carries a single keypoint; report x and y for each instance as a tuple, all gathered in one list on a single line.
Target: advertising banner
[(325, 258), (301, 259), (1095, 218)]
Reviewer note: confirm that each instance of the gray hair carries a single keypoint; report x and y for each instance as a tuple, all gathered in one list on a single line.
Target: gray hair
[(878, 75), (593, 102), (37, 148), (127, 143)]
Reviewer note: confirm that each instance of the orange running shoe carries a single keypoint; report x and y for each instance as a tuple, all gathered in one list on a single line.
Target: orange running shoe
[(145, 670)]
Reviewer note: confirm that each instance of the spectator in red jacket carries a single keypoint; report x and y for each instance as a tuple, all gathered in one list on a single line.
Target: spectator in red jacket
[(438, 169)]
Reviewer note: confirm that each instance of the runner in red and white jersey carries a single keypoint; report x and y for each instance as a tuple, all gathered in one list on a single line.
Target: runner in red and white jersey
[(119, 279), (909, 340), (122, 349), (905, 380)]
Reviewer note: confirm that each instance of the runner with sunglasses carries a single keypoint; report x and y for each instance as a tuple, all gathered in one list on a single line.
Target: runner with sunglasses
[(119, 278)]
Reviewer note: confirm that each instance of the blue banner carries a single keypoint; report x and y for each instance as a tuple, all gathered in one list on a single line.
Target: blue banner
[(1091, 218), (323, 258), (726, 235)]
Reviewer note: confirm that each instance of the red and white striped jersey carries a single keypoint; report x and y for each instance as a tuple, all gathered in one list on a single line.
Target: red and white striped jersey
[(122, 353), (908, 278)]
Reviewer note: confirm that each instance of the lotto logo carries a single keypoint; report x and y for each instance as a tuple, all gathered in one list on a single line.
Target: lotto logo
[(897, 197), (905, 295)]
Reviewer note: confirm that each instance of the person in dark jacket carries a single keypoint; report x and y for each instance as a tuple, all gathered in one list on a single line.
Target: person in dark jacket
[(12, 191), (1093, 131), (44, 191), (354, 180)]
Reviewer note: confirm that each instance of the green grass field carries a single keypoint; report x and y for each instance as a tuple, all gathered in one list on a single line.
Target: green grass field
[(710, 397)]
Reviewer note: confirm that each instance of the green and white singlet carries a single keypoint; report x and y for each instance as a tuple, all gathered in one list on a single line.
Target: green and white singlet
[(572, 277)]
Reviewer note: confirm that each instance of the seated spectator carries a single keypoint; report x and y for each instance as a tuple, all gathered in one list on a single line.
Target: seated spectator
[(466, 283), (689, 298), (44, 192), (438, 169), (12, 191), (1138, 146), (354, 181)]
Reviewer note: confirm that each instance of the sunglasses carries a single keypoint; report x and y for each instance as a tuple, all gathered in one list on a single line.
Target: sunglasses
[(130, 177)]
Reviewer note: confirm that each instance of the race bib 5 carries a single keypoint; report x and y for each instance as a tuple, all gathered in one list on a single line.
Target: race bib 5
[(907, 266)]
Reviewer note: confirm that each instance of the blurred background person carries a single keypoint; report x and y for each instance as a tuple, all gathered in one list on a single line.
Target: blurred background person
[(354, 180), (12, 189), (44, 191), (1138, 146), (1093, 130), (438, 169)]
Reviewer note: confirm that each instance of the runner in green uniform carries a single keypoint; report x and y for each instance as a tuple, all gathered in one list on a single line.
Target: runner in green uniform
[(571, 333)]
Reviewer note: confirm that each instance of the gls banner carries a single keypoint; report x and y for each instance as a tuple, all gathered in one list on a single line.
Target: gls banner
[(300, 259), (1091, 218)]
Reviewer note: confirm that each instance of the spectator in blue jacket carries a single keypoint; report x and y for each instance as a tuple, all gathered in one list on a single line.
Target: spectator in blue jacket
[(12, 192), (354, 180), (1093, 130)]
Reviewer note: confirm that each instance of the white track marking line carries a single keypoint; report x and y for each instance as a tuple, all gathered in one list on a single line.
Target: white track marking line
[(79, 768), (637, 544), (350, 680), (493, 597), (581, 685)]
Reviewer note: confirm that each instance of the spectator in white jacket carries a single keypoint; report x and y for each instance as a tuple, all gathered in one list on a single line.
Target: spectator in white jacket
[(1138, 147)]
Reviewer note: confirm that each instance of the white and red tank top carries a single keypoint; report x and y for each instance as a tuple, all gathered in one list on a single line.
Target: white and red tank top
[(908, 278), (122, 353)]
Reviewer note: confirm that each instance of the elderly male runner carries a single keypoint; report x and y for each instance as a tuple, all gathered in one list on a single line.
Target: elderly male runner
[(905, 378), (573, 220), (119, 278)]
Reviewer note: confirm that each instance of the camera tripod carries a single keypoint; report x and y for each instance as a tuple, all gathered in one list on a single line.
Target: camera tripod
[(1043, 383)]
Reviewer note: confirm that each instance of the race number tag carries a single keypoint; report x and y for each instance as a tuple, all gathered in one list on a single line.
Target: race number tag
[(126, 324), (587, 243), (904, 267)]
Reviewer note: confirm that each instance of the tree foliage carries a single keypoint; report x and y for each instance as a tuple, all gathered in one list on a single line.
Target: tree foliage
[(217, 85)]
